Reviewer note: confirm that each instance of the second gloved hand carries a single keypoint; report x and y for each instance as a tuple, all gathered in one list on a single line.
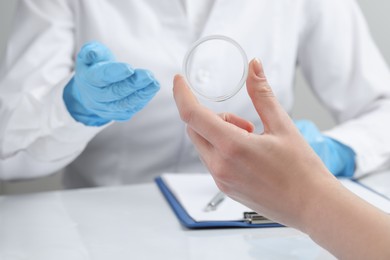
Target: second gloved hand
[(339, 158), (103, 90)]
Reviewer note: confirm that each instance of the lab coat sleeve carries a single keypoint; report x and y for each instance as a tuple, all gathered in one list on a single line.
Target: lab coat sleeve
[(37, 134), (349, 76)]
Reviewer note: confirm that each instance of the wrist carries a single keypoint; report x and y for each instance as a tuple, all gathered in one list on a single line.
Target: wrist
[(336, 219), (319, 197)]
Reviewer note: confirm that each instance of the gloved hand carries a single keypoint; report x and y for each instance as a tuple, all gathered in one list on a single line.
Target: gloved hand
[(339, 158), (103, 90)]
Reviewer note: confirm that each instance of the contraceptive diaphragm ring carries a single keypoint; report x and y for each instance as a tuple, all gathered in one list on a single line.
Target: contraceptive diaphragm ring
[(187, 64)]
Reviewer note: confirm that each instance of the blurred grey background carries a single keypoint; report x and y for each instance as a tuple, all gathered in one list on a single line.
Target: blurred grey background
[(376, 12)]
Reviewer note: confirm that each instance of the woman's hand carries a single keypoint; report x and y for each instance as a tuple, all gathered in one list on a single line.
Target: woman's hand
[(272, 173), (277, 174)]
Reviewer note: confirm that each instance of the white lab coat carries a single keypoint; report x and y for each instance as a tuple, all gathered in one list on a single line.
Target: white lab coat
[(327, 38)]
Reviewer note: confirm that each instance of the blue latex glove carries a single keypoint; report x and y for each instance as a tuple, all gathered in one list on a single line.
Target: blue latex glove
[(339, 158), (103, 90)]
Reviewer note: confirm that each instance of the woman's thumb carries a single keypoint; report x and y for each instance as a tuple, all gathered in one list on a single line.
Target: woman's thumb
[(267, 106)]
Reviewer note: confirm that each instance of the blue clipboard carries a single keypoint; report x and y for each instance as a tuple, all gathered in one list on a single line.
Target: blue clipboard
[(190, 223)]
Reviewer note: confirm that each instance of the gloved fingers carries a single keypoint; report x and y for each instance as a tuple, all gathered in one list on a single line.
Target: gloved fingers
[(122, 89), (103, 74), (94, 52), (125, 108), (123, 115), (136, 101), (140, 79), (114, 115), (144, 94)]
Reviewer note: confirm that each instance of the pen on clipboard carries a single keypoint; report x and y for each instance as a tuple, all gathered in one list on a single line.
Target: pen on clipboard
[(215, 201)]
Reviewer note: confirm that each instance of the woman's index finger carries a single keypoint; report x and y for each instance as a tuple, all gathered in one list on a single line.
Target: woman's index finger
[(205, 122)]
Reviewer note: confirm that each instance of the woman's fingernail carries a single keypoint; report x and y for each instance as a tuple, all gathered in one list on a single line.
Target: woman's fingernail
[(257, 69)]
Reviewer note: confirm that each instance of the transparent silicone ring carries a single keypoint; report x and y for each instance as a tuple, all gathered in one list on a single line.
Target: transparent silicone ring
[(190, 52)]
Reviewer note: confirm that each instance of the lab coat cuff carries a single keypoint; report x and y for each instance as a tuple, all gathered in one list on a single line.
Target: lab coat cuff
[(65, 136), (368, 159)]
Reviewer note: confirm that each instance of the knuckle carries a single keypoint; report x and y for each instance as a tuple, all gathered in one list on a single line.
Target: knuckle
[(120, 105), (263, 89), (187, 114), (119, 89), (147, 92), (224, 116)]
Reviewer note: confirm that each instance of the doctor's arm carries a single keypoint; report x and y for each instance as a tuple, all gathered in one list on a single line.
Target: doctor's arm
[(37, 134), (278, 174), (350, 78), (51, 108)]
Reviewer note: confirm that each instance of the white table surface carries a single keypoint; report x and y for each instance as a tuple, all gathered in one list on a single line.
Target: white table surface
[(135, 222), (380, 182)]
